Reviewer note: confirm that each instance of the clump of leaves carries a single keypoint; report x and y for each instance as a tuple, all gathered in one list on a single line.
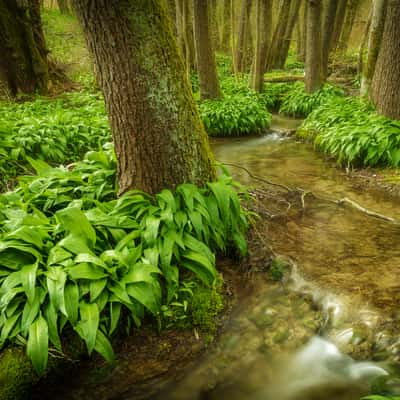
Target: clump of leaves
[(351, 131), (298, 103), (234, 115), (58, 131), (274, 93), (75, 258)]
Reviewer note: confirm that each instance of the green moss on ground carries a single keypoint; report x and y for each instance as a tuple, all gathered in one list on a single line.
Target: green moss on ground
[(16, 375)]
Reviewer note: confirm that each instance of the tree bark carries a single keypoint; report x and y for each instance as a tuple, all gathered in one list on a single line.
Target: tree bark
[(63, 6), (303, 32), (351, 11), (159, 139), (279, 34), (23, 64), (242, 37), (284, 49), (339, 20), (374, 44), (226, 27), (385, 91), (313, 65), (263, 38), (328, 25), (208, 80)]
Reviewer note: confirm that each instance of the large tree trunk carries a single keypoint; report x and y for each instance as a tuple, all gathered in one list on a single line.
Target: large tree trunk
[(263, 38), (158, 136), (284, 49), (385, 91), (351, 11), (240, 49), (313, 66), (279, 34), (374, 43), (23, 63), (328, 24), (208, 80)]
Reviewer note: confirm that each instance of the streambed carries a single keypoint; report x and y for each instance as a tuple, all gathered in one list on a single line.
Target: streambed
[(291, 340)]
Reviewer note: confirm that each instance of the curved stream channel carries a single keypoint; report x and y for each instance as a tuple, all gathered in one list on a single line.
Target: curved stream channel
[(331, 327)]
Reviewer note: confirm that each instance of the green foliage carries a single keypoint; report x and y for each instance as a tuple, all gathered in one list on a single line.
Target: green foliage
[(58, 131), (298, 103), (380, 397), (234, 115), (194, 305), (278, 268), (274, 94), (75, 258), (351, 131)]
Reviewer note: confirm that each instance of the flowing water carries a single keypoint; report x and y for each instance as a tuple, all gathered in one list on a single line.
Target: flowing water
[(330, 327), (294, 340)]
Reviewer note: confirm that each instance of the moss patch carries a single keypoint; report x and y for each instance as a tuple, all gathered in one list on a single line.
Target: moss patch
[(16, 375)]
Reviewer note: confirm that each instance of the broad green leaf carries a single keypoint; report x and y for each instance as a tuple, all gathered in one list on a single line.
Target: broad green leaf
[(147, 294), (115, 313), (103, 347), (96, 287), (75, 222), (56, 279), (38, 345), (52, 321), (86, 271), (88, 324), (71, 301)]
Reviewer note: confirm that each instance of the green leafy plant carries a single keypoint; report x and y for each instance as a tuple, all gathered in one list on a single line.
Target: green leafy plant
[(74, 258), (380, 397), (234, 115), (58, 131), (351, 131), (298, 103)]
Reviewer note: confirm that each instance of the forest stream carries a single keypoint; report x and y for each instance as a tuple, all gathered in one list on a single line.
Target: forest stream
[(328, 330)]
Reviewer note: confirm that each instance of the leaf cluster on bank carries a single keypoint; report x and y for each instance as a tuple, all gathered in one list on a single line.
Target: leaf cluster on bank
[(76, 259), (350, 130)]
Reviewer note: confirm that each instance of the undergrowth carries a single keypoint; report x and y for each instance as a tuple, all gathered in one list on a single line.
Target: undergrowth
[(57, 131), (298, 103), (74, 258), (351, 131)]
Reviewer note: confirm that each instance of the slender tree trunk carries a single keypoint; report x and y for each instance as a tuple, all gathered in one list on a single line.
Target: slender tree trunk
[(339, 20), (351, 11), (385, 91), (328, 24), (208, 79), (374, 43), (63, 6), (313, 66), (158, 136), (24, 66), (279, 34), (284, 49), (226, 27), (263, 38), (363, 46), (242, 37)]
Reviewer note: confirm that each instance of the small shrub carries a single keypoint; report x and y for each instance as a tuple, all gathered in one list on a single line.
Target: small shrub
[(351, 131), (234, 115), (298, 103)]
